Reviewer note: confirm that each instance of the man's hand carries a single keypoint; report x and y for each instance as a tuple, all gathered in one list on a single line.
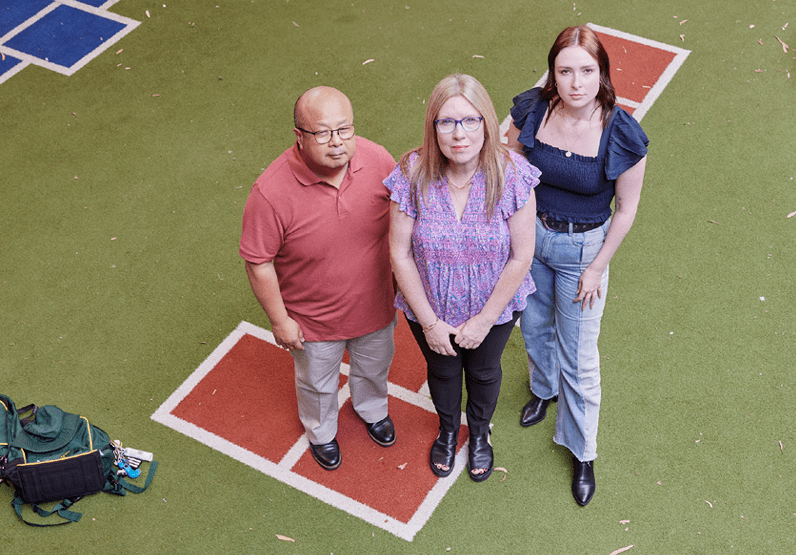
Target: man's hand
[(288, 335)]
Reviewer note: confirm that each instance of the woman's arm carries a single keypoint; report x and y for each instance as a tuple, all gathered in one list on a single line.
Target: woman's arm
[(408, 278), (522, 227), (628, 193)]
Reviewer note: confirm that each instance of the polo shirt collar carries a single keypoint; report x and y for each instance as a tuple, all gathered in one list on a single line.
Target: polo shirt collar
[(306, 176)]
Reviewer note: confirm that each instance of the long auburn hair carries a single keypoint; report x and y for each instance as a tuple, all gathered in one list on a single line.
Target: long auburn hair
[(587, 39), (431, 163)]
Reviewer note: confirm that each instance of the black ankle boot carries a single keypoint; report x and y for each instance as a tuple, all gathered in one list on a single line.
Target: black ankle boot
[(535, 411), (583, 481)]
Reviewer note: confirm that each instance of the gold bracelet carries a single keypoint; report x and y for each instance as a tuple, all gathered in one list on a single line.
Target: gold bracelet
[(427, 329)]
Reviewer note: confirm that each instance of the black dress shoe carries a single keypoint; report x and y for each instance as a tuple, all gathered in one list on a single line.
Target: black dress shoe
[(583, 481), (480, 457), (535, 411), (327, 455), (443, 452), (382, 432)]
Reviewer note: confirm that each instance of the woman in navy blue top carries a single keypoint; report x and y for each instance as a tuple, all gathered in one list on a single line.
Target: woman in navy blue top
[(590, 152)]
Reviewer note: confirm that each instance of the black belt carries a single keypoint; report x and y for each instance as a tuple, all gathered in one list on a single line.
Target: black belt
[(561, 226)]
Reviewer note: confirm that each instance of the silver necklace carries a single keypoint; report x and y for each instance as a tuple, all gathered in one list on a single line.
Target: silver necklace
[(568, 152)]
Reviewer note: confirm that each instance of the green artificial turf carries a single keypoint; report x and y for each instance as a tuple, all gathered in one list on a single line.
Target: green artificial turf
[(120, 217)]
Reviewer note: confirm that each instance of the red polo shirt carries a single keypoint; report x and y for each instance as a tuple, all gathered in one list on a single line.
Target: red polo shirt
[(329, 246)]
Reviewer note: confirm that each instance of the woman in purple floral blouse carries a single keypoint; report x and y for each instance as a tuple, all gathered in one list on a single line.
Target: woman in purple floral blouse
[(461, 241)]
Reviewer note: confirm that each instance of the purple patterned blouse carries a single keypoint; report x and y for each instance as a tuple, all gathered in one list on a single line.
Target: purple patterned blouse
[(460, 261)]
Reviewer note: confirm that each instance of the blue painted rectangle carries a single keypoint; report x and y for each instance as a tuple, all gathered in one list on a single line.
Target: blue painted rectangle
[(65, 35), (16, 12)]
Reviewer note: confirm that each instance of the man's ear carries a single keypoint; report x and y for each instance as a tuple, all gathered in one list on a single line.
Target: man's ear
[(299, 136)]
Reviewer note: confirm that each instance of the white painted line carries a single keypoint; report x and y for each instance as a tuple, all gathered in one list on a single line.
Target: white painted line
[(417, 399), (5, 76), (627, 102), (283, 470), (639, 109), (22, 26), (294, 454), (27, 59), (198, 375), (663, 80)]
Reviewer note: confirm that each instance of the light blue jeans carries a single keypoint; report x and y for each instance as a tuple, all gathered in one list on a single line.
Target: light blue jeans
[(561, 339)]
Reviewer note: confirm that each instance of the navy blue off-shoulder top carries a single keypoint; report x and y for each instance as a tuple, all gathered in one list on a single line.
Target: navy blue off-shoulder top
[(577, 188)]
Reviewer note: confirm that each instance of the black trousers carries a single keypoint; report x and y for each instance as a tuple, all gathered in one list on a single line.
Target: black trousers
[(482, 377)]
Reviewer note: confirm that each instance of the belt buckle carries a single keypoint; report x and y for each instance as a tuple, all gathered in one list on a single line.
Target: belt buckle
[(547, 226), (543, 217)]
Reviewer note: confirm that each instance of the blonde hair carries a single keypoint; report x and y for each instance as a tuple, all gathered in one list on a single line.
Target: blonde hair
[(431, 163)]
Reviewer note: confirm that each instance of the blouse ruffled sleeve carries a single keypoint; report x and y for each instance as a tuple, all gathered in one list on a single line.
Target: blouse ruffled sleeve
[(627, 145), (521, 178), (524, 115), (399, 187)]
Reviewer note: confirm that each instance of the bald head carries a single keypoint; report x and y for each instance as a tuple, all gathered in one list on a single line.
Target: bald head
[(323, 99), (328, 111)]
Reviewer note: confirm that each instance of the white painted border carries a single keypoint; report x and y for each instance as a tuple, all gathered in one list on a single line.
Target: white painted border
[(282, 470), (27, 59), (668, 74)]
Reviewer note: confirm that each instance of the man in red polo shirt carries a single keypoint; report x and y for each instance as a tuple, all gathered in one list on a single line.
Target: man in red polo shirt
[(315, 241)]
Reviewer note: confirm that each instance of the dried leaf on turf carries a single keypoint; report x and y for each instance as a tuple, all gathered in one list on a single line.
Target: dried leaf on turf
[(294, 23), (504, 471), (402, 466), (285, 538), (784, 46), (792, 214), (624, 522), (622, 550)]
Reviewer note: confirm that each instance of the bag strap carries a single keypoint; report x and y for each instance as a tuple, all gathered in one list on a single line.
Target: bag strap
[(137, 489), (30, 417), (71, 516), (60, 509)]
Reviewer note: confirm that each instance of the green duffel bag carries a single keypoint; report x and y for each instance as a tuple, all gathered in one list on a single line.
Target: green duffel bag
[(10, 426), (58, 456)]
